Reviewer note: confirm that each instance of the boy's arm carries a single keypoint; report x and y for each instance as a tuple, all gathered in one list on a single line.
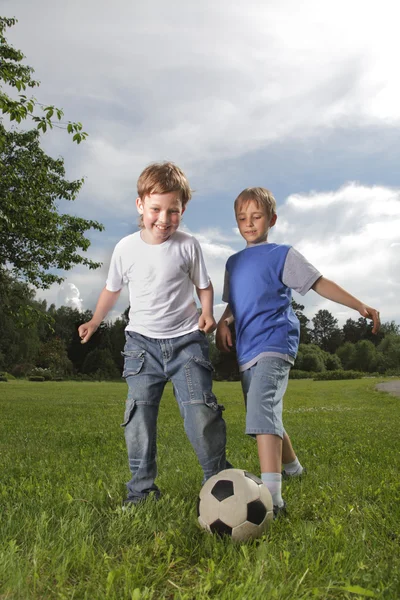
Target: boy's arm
[(332, 291), (105, 303), (206, 319), (223, 338)]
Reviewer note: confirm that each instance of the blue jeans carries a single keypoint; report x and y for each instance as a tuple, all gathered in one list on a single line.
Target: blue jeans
[(264, 385), (149, 364)]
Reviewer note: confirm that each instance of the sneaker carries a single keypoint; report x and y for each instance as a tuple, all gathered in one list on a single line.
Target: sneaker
[(280, 511), (286, 475), (140, 499)]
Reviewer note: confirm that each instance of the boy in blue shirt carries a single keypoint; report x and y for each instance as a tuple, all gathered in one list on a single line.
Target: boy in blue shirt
[(257, 288)]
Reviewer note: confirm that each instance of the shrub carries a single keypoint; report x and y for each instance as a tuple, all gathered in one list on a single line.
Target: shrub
[(333, 363), (299, 374), (39, 372), (8, 376), (3, 378), (36, 378), (22, 369), (339, 374)]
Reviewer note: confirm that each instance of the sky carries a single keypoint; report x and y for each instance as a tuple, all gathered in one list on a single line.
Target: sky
[(302, 98)]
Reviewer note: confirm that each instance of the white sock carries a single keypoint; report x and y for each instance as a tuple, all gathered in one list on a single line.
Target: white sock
[(293, 468), (273, 481)]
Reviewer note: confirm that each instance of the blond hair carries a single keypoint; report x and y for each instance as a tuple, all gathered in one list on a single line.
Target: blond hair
[(161, 178), (261, 196)]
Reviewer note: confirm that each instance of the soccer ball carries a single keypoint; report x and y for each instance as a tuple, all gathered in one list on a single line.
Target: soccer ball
[(235, 503)]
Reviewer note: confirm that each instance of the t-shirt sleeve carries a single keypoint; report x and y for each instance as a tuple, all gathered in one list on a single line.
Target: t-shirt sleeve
[(298, 273), (115, 278), (225, 293), (198, 271)]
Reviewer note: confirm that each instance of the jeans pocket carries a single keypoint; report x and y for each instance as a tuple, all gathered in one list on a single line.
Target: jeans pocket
[(203, 362), (133, 363), (211, 401), (129, 410)]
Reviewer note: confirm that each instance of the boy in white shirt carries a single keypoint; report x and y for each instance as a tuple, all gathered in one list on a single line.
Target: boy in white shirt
[(165, 337)]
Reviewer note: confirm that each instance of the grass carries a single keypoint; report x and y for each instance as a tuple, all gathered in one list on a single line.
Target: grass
[(63, 469)]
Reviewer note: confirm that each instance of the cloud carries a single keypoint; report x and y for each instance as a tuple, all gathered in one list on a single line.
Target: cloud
[(69, 295)]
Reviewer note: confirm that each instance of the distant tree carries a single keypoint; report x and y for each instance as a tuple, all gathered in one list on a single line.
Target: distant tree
[(53, 355), (20, 321), (390, 328), (310, 357), (390, 349), (333, 363), (355, 331), (305, 332), (326, 333), (346, 355), (100, 364), (34, 236), (365, 357)]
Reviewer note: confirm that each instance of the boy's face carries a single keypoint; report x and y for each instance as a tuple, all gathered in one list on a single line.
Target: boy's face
[(254, 222), (161, 216)]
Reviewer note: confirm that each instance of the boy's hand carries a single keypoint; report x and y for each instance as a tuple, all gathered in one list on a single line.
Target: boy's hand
[(207, 323), (223, 338), (86, 331), (371, 313)]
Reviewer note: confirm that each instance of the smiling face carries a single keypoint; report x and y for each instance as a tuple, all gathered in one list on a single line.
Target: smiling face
[(254, 222), (161, 216)]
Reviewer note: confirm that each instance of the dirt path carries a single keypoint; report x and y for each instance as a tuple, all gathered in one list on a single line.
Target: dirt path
[(392, 387)]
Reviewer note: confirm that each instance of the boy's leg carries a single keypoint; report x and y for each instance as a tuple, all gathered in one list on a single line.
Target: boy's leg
[(264, 385), (191, 374), (146, 384), (291, 464)]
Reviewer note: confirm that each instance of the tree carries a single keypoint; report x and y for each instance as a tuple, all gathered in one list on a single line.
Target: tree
[(326, 333), (34, 236), (305, 332), (346, 354), (365, 357)]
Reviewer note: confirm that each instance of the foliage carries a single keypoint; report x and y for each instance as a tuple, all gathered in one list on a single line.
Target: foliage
[(99, 363), (34, 236), (305, 332), (45, 374), (333, 362), (336, 375), (3, 378), (365, 357), (299, 374), (36, 378), (326, 333)]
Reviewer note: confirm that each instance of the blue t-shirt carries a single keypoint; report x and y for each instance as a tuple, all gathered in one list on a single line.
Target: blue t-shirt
[(260, 299)]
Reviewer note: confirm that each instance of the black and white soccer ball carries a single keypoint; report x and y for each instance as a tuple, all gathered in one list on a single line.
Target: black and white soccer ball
[(235, 503)]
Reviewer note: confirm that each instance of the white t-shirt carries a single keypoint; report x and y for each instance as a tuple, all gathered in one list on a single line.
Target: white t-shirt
[(160, 280)]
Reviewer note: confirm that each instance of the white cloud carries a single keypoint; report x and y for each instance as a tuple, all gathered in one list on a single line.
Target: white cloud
[(69, 295)]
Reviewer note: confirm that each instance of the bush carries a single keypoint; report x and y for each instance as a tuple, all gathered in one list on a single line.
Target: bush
[(299, 374), (36, 378), (3, 378), (339, 374), (8, 376), (22, 369), (333, 363), (39, 372)]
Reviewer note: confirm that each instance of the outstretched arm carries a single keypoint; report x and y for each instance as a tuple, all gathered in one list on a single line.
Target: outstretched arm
[(329, 289), (206, 319), (105, 303), (223, 338)]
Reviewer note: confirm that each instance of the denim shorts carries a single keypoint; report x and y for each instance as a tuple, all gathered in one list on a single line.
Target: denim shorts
[(264, 385)]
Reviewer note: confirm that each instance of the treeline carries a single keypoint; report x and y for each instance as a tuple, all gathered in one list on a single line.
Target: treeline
[(40, 341)]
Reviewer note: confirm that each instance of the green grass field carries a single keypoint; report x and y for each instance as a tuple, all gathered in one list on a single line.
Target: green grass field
[(63, 469)]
